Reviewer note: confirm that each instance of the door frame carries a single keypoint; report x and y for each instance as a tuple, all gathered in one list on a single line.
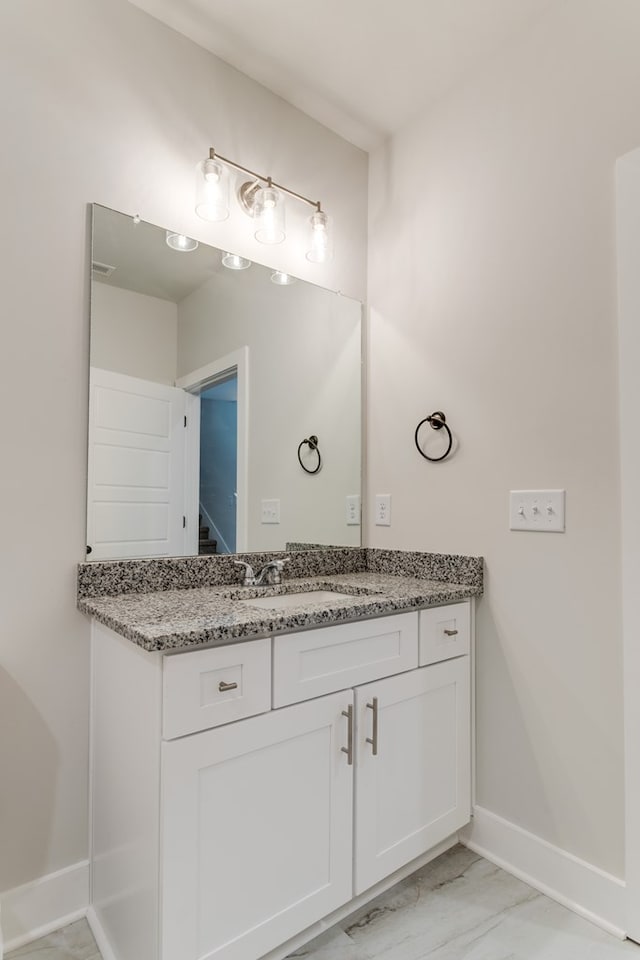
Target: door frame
[(194, 383), (628, 279)]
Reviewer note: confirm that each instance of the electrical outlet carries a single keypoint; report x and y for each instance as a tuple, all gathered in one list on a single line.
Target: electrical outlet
[(270, 511), (539, 510), (353, 510), (383, 509)]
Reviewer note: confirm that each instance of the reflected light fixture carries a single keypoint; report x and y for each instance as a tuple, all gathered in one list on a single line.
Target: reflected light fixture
[(261, 198), (233, 262), (282, 279), (177, 241)]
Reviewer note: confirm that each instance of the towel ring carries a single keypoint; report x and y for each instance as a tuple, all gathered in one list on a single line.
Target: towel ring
[(312, 443), (436, 421)]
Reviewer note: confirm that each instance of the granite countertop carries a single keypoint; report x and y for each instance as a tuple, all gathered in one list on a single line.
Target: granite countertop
[(180, 619)]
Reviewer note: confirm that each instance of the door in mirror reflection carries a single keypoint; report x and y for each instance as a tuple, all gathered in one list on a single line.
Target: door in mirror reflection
[(136, 468)]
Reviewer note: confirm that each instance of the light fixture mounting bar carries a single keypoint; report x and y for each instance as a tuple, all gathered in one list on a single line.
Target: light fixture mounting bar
[(259, 176)]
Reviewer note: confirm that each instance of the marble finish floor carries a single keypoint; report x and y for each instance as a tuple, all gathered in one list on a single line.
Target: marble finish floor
[(459, 907), (73, 942)]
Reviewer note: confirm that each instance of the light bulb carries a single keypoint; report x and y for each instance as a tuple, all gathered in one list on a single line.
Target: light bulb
[(282, 279), (233, 262), (211, 170), (320, 247), (268, 211), (212, 191), (178, 241)]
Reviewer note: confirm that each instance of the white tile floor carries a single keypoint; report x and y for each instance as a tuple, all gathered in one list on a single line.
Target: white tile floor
[(459, 907)]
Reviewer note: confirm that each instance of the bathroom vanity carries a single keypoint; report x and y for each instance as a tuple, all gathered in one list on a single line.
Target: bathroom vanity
[(256, 779)]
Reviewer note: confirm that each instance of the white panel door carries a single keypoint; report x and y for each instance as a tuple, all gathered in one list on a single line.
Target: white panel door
[(136, 500), (257, 831), (415, 790)]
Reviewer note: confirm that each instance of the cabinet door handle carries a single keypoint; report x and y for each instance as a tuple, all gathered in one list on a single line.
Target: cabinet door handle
[(373, 739), (348, 713), (451, 633), (222, 686)]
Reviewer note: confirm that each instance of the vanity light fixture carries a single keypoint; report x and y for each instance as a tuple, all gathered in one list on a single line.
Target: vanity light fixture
[(212, 190), (261, 199), (177, 241), (268, 212), (320, 249), (282, 279), (233, 262)]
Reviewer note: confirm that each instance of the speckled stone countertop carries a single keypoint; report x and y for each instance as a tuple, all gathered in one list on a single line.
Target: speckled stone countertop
[(174, 620)]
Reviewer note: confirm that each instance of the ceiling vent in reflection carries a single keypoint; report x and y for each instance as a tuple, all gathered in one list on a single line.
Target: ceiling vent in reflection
[(103, 270)]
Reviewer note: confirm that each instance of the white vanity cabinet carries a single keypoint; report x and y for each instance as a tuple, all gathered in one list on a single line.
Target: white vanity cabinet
[(251, 830), (413, 768), (256, 831)]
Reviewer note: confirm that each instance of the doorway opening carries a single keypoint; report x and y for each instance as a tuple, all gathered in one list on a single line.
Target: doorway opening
[(218, 466), (216, 472)]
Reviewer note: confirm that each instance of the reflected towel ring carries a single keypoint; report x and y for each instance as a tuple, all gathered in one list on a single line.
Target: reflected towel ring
[(436, 421), (312, 443)]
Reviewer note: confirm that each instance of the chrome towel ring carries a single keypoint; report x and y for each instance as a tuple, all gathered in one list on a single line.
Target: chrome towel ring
[(436, 421)]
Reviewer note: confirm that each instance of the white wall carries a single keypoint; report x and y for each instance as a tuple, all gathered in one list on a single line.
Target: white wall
[(134, 334), (101, 103), (492, 297), (304, 378), (628, 256)]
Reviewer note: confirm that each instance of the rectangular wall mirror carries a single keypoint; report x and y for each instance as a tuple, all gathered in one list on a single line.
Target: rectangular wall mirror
[(206, 384)]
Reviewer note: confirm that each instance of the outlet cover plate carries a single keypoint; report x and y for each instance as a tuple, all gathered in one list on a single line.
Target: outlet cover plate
[(542, 511), (383, 509), (270, 511), (353, 510)]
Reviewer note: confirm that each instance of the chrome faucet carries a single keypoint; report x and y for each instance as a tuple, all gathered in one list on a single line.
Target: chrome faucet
[(270, 574)]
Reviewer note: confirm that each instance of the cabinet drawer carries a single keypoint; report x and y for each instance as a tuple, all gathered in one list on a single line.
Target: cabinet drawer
[(445, 632), (316, 662), (205, 688)]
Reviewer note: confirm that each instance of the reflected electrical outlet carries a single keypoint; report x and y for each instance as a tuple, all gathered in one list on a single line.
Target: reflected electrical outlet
[(270, 512)]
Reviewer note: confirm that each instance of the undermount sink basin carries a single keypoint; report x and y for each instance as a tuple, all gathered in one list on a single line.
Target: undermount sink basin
[(286, 600)]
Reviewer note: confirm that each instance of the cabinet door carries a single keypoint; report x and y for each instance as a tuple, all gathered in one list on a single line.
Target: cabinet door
[(415, 791), (257, 831)]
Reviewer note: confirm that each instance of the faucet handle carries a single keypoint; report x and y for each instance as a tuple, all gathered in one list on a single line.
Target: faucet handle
[(249, 575), (278, 566)]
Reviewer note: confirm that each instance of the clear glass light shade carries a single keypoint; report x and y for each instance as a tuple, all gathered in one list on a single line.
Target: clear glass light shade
[(321, 242), (177, 241), (268, 212), (282, 279), (233, 262), (212, 190)]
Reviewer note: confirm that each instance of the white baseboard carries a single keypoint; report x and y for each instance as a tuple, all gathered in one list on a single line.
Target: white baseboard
[(588, 891), (46, 904), (99, 935), (37, 908)]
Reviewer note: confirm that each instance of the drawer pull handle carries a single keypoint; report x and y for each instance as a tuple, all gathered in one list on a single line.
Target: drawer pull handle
[(373, 739), (451, 633), (222, 686), (348, 713)]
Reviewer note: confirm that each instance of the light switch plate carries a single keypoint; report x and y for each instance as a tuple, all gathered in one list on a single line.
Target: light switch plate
[(353, 510), (270, 511), (383, 509), (542, 511)]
